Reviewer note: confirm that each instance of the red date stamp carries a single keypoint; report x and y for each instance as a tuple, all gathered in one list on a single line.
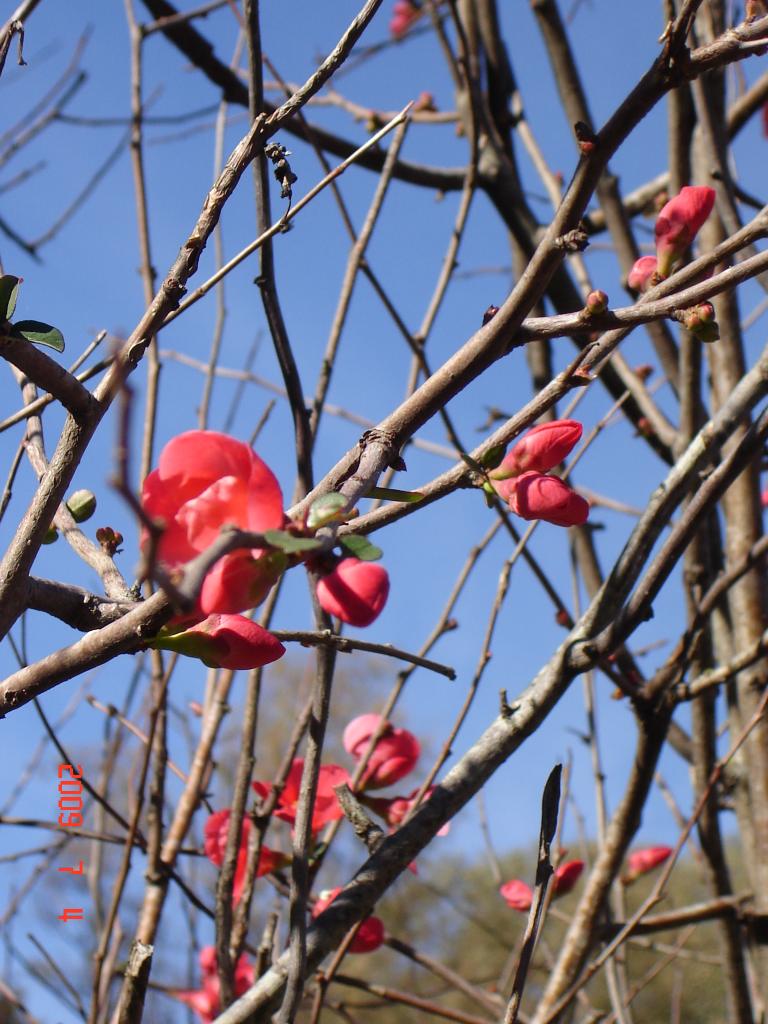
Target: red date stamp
[(71, 816)]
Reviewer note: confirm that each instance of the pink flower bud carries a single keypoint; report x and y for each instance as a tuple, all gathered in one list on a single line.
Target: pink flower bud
[(541, 449), (393, 757), (354, 592), (642, 861), (327, 807), (370, 934), (639, 277), (679, 222), (404, 14), (566, 876), (518, 895), (536, 496), (597, 302), (223, 641)]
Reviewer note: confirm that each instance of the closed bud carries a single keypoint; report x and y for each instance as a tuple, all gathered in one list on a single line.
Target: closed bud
[(489, 314), (538, 496), (109, 539), (541, 449), (51, 535), (82, 505), (679, 222), (597, 302), (640, 277), (642, 861), (354, 592)]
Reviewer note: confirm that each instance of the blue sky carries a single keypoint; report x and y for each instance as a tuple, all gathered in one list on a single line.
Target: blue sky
[(88, 281)]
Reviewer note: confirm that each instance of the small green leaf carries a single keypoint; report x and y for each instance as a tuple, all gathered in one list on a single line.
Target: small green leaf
[(9, 291), (392, 494), (39, 333), (326, 509), (289, 543), (361, 547), (491, 458)]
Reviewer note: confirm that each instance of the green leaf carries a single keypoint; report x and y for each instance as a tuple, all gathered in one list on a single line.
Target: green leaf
[(392, 494), (289, 543), (492, 458), (361, 547), (39, 333), (326, 509), (9, 291)]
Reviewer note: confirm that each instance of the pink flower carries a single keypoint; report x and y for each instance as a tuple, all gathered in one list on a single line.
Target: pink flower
[(370, 934), (537, 496), (354, 592), (395, 810), (566, 876), (215, 835), (223, 641), (518, 895), (541, 449), (206, 1001), (327, 807), (639, 277), (679, 222), (642, 861), (404, 14), (394, 756), (205, 481)]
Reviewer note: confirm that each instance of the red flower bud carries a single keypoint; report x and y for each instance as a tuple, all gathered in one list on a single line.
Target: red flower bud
[(518, 895), (642, 861), (541, 449), (370, 934), (393, 757), (536, 496), (224, 641), (354, 592), (566, 876), (641, 274), (404, 14), (679, 222)]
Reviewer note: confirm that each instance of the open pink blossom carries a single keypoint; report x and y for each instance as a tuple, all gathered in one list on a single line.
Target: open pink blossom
[(393, 757), (354, 592), (517, 894), (205, 481), (539, 496), (327, 807), (679, 222), (370, 934), (643, 269), (642, 861), (206, 1001), (215, 836), (542, 448), (223, 641)]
